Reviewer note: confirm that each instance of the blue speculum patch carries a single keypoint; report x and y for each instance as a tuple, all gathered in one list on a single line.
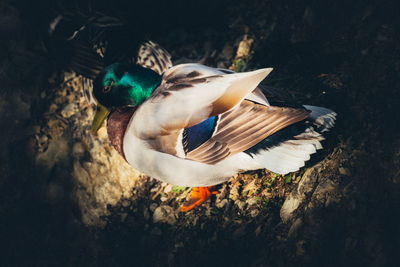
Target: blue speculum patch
[(196, 135)]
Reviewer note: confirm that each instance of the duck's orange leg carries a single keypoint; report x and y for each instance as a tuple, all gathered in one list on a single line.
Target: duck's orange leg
[(198, 196)]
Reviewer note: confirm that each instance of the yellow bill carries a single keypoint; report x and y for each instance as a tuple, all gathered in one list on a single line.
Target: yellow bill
[(101, 114)]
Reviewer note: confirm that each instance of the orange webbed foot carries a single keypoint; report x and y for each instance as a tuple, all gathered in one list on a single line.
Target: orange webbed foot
[(198, 196)]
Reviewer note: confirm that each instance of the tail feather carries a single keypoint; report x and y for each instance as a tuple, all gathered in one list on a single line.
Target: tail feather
[(323, 118), (292, 153)]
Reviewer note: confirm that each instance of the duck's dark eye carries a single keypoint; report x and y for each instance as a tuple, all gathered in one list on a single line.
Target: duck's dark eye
[(107, 89)]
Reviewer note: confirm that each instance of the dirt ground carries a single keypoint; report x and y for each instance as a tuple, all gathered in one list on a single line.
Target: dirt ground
[(341, 209)]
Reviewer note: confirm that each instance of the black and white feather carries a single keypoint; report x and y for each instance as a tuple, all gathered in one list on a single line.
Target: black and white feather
[(290, 154), (153, 56), (89, 63)]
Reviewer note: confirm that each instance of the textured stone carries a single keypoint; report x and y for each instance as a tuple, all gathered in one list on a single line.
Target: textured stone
[(289, 206), (244, 48), (57, 151), (252, 201), (164, 214), (153, 207), (344, 171), (221, 203), (299, 194), (240, 204), (254, 213), (168, 188), (294, 228), (324, 187), (78, 150), (101, 175)]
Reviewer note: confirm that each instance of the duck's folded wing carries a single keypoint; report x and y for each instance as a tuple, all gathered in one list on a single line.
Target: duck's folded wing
[(186, 98), (244, 127), (153, 56)]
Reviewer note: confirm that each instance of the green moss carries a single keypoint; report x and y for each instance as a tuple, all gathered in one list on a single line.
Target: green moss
[(288, 179), (270, 182), (238, 65), (178, 189)]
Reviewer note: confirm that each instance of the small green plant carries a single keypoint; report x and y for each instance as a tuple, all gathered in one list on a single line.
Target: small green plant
[(288, 179), (238, 65), (178, 189), (271, 181)]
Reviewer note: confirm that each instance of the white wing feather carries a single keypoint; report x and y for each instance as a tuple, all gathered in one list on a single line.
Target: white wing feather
[(172, 109)]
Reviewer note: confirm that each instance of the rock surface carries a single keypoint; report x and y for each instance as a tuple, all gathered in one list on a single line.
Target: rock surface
[(164, 214)]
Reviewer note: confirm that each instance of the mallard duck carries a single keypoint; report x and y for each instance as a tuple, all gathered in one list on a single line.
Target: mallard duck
[(196, 126)]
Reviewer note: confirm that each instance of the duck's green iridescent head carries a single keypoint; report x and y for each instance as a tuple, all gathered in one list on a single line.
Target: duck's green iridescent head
[(122, 84)]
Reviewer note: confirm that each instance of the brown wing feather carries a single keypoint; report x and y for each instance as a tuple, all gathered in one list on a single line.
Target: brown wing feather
[(243, 127), (208, 95)]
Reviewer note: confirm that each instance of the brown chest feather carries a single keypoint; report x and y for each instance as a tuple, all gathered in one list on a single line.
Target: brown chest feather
[(116, 126)]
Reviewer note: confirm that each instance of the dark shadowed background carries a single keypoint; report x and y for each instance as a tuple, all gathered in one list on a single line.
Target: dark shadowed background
[(341, 54)]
